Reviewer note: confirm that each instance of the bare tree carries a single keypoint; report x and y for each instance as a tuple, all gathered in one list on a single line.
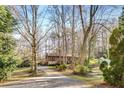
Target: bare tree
[(97, 18), (73, 34), (86, 30), (31, 19)]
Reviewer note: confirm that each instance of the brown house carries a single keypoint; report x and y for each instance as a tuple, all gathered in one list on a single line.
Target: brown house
[(53, 59)]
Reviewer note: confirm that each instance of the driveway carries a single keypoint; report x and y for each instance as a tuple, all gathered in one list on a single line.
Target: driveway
[(52, 79)]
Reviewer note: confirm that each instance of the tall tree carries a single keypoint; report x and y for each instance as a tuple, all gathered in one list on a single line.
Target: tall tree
[(73, 35), (99, 17), (86, 30), (7, 43), (31, 20), (115, 73)]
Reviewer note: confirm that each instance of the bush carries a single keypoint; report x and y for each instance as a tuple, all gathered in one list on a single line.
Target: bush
[(25, 63), (61, 67), (103, 65), (81, 70), (93, 61), (114, 76), (7, 65)]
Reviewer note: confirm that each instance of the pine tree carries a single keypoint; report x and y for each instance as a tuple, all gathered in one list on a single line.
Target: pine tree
[(115, 73), (7, 44)]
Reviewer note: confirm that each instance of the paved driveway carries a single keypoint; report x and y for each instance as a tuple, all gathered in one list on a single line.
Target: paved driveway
[(52, 79)]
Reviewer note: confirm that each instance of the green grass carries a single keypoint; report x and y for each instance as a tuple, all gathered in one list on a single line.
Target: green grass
[(84, 78), (22, 73), (89, 78), (52, 66), (92, 81), (22, 70)]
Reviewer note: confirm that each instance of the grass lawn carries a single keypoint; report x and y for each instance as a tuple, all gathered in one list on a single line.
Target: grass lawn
[(88, 80), (52, 66), (25, 73), (94, 80), (21, 74)]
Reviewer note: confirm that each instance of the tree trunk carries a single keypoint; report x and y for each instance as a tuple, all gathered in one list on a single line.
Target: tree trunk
[(59, 50), (34, 62), (64, 36), (73, 36), (89, 51), (83, 52)]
